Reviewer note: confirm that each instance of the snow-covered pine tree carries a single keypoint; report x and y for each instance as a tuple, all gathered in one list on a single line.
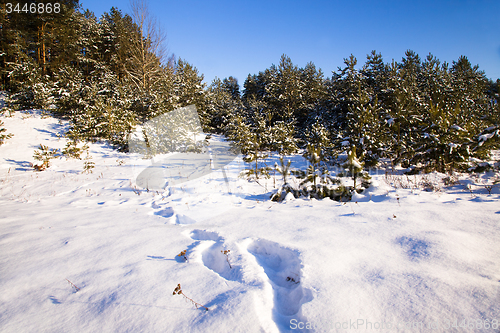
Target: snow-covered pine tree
[(470, 87), (374, 73), (283, 141), (222, 102), (314, 171), (354, 167), (316, 180), (319, 137), (231, 85), (254, 86), (24, 77), (344, 87), (284, 169), (282, 138), (32, 88), (283, 92), (101, 109), (239, 132), (404, 107), (445, 141), (444, 134), (365, 128), (313, 94), (70, 91), (263, 88), (252, 135), (489, 136), (189, 89), (259, 140)]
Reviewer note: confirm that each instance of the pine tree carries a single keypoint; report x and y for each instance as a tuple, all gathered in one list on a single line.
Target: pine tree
[(222, 102), (3, 135), (29, 83), (314, 100), (319, 137), (375, 74), (445, 141), (282, 138), (231, 85), (469, 88), (12, 45), (364, 128), (489, 136), (259, 141), (404, 107), (284, 170), (189, 89), (345, 86), (355, 169)]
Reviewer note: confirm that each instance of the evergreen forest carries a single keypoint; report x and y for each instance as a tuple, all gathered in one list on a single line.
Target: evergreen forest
[(106, 75)]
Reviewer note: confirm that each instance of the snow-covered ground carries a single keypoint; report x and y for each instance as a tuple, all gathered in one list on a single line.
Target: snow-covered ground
[(93, 253)]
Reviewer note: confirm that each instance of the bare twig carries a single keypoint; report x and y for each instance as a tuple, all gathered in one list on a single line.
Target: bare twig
[(178, 291), (73, 285), (183, 254), (226, 253)]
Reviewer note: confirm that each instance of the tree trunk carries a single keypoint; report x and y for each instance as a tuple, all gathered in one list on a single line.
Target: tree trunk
[(41, 51)]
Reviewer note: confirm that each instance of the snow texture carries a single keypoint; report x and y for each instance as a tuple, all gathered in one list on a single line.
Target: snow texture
[(392, 255)]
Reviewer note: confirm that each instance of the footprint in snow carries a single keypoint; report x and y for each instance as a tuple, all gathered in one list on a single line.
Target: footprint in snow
[(284, 271), (208, 249), (165, 212), (173, 218)]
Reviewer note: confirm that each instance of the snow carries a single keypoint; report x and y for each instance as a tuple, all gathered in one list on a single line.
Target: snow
[(458, 128), (486, 136), (399, 256)]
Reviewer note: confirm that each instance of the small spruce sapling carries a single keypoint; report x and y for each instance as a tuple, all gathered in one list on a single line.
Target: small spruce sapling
[(88, 165), (317, 175), (283, 170), (4, 136), (313, 155), (72, 151), (44, 154), (285, 188), (355, 167), (178, 291)]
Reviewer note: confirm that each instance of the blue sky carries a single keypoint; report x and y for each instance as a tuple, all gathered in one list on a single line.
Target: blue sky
[(235, 38)]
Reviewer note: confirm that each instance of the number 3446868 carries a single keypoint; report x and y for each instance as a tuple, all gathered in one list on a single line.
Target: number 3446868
[(33, 8)]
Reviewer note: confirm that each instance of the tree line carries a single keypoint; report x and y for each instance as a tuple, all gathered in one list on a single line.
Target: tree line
[(422, 114), (109, 74), (102, 74)]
